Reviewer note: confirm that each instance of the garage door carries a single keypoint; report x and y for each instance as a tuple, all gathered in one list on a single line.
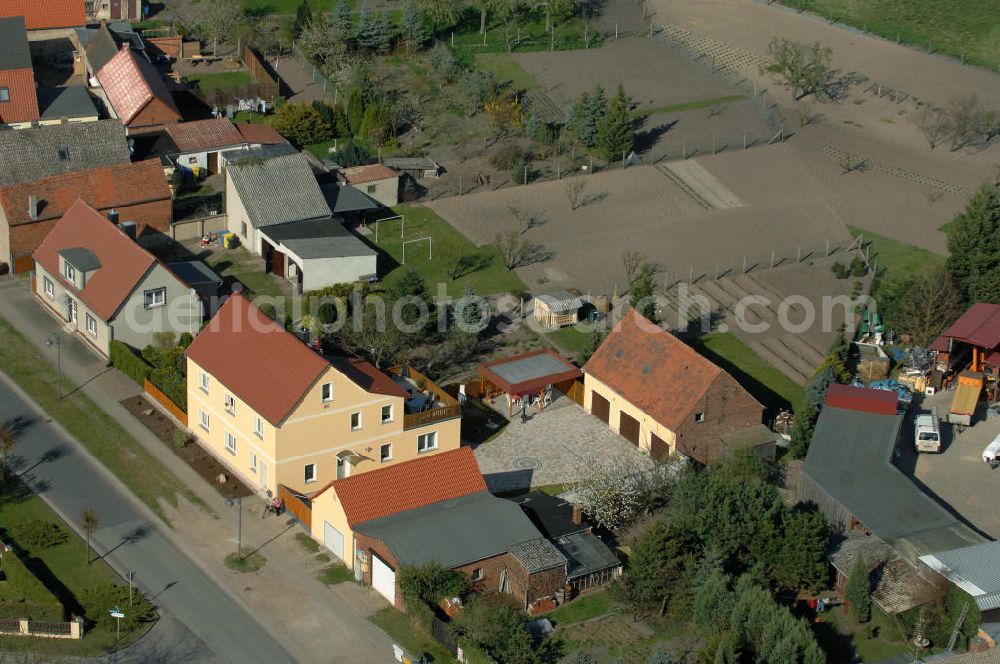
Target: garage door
[(383, 579), (600, 407), (658, 447), (333, 539), (628, 427)]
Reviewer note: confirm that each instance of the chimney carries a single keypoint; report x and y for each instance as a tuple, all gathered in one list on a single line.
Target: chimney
[(577, 515), (113, 216), (129, 228), (33, 207)]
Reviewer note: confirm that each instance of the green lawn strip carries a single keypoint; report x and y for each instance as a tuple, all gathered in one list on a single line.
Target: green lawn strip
[(423, 222), (397, 625), (841, 638), (62, 568), (568, 35), (320, 150), (507, 70), (225, 80), (334, 574), (687, 106), (246, 564), (570, 339), (581, 609), (965, 30), (103, 437), (307, 543), (200, 190), (896, 261), (768, 385), (259, 7)]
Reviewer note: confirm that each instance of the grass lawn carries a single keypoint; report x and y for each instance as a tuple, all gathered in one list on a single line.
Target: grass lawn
[(259, 7), (895, 261), (320, 150), (240, 265), (222, 80), (334, 574), (581, 609), (63, 570), (687, 106), (397, 625), (967, 29), (840, 637), (200, 190), (568, 35), (494, 277), (146, 477), (507, 70), (768, 385), (570, 339)]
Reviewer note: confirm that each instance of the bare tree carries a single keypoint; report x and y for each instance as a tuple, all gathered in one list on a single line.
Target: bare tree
[(512, 247), (962, 113), (930, 303), (632, 261), (805, 67), (933, 123), (90, 523), (526, 220), (576, 192)]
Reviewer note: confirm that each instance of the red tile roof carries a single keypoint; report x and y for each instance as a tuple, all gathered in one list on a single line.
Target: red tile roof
[(652, 369), (130, 83), (123, 262), (46, 14), (367, 377), (256, 359), (205, 135), (260, 133), (115, 186), (861, 399), (370, 173), (408, 485), (23, 104)]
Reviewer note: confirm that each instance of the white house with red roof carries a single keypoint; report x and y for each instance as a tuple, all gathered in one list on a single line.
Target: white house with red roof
[(91, 274)]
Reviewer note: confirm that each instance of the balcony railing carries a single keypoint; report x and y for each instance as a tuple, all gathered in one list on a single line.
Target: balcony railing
[(446, 406)]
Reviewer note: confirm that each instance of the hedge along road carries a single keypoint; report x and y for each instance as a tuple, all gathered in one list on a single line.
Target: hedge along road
[(129, 537)]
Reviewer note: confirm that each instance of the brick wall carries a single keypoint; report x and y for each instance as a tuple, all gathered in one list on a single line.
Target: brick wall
[(727, 407), (151, 118), (538, 586)]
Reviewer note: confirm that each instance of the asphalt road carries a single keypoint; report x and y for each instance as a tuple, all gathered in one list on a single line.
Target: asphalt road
[(202, 622)]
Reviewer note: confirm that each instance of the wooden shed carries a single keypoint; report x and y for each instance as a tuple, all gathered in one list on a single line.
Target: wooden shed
[(558, 309)]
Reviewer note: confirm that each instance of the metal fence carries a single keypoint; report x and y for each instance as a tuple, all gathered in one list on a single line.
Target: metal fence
[(330, 88)]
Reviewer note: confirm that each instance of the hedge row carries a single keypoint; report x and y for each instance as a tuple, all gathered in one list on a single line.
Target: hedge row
[(169, 381), (130, 364)]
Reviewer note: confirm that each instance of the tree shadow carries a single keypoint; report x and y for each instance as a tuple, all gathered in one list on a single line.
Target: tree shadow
[(647, 138)]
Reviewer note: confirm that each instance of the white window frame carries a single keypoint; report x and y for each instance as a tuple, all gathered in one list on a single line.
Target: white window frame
[(204, 420), (229, 403), (48, 288), (91, 325), (69, 272), (356, 427), (392, 413), (305, 473), (326, 392), (258, 426), (477, 574), (4, 94), (231, 443), (149, 298), (424, 437), (253, 462), (385, 458), (699, 417), (203, 382)]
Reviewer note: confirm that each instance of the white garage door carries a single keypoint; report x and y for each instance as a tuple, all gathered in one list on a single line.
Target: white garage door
[(333, 539), (383, 579)]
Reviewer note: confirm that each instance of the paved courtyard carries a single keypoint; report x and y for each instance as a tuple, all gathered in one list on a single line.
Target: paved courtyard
[(547, 448)]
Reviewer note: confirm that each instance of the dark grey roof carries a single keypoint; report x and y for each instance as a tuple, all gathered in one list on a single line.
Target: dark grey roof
[(529, 368), (975, 569), (101, 46), (411, 163), (453, 532), (538, 555), (318, 238), (73, 101), (850, 457), (344, 199), (27, 155), (195, 273), (14, 53), (586, 554), (278, 190), (259, 152), (82, 259), (552, 515)]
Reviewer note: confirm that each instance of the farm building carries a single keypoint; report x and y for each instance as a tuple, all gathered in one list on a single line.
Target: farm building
[(973, 343), (32, 154), (318, 253), (417, 168), (378, 181), (662, 396), (976, 570), (527, 379), (136, 94), (557, 309)]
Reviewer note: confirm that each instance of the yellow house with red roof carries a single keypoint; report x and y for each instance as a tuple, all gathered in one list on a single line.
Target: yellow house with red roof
[(276, 412)]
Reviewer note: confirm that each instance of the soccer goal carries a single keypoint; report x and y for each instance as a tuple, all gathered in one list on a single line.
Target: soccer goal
[(430, 246), (402, 225)]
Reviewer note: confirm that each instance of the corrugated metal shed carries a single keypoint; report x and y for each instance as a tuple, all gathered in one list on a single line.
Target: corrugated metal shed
[(974, 569), (277, 190)]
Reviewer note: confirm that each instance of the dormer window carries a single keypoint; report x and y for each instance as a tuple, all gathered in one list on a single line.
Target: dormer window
[(63, 154), (69, 272), (4, 95)]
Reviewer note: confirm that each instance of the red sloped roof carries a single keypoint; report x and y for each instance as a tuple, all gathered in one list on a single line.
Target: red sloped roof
[(980, 326), (652, 369), (861, 399), (204, 135), (408, 485), (115, 186), (123, 262), (256, 359), (367, 377), (130, 83), (23, 104), (46, 14), (260, 133), (370, 173)]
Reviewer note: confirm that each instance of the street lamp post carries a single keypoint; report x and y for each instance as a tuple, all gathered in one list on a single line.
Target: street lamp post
[(239, 524), (54, 340)]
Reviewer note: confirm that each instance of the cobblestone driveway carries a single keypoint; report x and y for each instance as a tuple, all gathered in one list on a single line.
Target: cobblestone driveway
[(545, 450)]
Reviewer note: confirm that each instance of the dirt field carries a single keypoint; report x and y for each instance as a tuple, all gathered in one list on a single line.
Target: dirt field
[(640, 208)]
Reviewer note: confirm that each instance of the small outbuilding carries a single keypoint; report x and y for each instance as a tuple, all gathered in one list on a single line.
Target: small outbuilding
[(558, 309), (528, 379)]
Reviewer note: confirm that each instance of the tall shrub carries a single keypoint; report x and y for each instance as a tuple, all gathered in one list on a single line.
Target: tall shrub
[(130, 364)]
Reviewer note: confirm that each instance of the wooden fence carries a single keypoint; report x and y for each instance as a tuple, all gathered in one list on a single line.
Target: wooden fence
[(297, 505), (164, 401), (269, 85)]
